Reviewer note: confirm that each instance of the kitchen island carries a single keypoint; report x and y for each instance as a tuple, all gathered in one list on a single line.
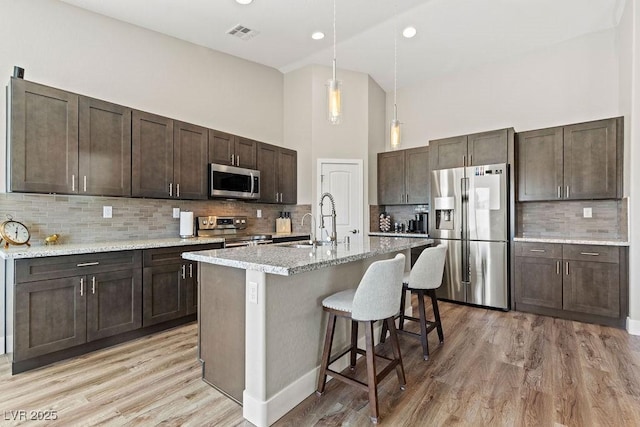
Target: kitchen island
[(261, 320)]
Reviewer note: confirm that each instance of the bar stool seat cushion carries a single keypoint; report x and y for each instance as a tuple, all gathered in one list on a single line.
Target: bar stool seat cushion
[(342, 301)]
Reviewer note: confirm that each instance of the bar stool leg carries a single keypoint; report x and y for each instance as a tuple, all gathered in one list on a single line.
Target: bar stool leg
[(326, 353), (423, 325), (436, 312), (395, 346), (371, 372), (402, 305), (354, 344)]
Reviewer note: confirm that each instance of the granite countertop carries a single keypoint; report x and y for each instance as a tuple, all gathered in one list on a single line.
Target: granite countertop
[(284, 260), (39, 251), (571, 240), (285, 235), (392, 234)]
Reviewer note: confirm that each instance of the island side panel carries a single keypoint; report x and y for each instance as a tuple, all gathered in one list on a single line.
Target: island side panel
[(221, 326)]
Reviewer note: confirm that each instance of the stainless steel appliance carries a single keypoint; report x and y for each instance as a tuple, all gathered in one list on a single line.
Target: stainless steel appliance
[(231, 228), (470, 214), (422, 222), (233, 182)]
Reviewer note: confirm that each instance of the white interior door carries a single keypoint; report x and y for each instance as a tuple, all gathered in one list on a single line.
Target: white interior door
[(343, 179)]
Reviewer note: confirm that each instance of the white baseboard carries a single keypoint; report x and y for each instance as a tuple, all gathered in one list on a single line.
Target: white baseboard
[(633, 326)]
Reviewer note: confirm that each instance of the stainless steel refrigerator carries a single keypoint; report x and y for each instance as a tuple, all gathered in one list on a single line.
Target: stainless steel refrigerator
[(469, 209)]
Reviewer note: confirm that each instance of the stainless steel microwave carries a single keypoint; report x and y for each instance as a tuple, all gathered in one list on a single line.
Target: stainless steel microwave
[(232, 182)]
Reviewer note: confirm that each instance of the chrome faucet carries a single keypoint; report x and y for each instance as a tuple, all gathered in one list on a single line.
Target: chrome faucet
[(333, 237), (313, 240)]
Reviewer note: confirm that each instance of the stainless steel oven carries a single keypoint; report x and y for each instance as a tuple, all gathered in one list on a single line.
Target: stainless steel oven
[(232, 182)]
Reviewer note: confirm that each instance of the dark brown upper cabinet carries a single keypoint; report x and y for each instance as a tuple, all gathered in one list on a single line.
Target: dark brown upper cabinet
[(169, 158), (105, 148), (404, 177), (227, 149), (575, 162), (44, 138), (278, 174), (477, 149)]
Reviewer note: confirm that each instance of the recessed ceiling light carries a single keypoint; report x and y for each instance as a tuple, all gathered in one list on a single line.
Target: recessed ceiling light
[(409, 32), (318, 35), (244, 1)]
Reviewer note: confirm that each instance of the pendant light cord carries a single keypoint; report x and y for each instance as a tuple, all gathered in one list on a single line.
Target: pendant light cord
[(395, 62), (334, 39)]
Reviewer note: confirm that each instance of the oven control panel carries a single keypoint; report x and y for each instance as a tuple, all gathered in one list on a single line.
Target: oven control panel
[(214, 222)]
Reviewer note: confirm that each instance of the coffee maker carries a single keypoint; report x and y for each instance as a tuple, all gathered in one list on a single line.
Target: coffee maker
[(422, 223)]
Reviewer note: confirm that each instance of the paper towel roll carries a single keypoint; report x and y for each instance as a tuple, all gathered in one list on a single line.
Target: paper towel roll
[(186, 224)]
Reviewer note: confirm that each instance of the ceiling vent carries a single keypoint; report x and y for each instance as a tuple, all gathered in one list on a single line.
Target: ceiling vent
[(242, 32)]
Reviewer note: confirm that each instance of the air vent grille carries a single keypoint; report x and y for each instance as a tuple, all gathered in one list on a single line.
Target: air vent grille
[(242, 32)]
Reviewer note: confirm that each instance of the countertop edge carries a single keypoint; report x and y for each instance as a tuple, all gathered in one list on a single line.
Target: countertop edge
[(571, 241), (389, 234)]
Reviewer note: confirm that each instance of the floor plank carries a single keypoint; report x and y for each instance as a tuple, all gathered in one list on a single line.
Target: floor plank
[(494, 369)]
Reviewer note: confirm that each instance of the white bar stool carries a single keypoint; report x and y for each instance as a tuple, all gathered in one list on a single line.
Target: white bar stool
[(376, 298), (425, 277)]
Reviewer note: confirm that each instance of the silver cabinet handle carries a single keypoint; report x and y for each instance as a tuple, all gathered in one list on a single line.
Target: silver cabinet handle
[(567, 268), (276, 196), (190, 270), (470, 159), (567, 195), (81, 286), (177, 190), (84, 178), (171, 189), (87, 264), (557, 267), (406, 199), (73, 182), (238, 161), (93, 285), (233, 160), (537, 250), (184, 276), (464, 160), (559, 192), (590, 253)]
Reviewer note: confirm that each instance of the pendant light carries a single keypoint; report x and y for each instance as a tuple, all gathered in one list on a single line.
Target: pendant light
[(334, 87), (394, 133)]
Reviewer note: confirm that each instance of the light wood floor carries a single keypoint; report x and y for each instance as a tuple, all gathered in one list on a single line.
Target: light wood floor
[(494, 369)]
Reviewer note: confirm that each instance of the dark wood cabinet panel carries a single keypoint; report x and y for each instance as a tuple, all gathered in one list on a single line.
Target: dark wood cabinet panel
[(50, 316), (163, 294), (539, 281), (104, 148), (539, 160), (245, 152), (44, 138), (488, 148), (278, 174), (152, 156), (391, 175), (590, 160), (592, 287), (114, 303), (417, 176), (192, 287), (221, 147), (190, 161), (448, 152)]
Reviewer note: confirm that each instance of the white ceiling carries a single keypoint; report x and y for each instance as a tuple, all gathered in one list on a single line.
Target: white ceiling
[(452, 34)]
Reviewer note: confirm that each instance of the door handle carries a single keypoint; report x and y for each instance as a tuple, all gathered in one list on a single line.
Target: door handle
[(536, 250), (177, 190), (590, 253), (354, 231), (567, 196), (171, 189), (559, 192), (73, 182), (190, 270), (184, 276), (233, 160), (557, 267), (81, 286), (567, 268), (276, 196), (93, 284), (85, 183), (238, 161)]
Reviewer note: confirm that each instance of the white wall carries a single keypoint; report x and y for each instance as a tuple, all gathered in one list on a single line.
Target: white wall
[(571, 82), (70, 48), (377, 136)]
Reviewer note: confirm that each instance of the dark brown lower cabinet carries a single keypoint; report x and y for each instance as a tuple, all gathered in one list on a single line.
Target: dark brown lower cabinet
[(587, 283)]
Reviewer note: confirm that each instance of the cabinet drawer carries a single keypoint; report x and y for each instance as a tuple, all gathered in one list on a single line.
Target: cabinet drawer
[(173, 254), (593, 253), (30, 270), (540, 250)]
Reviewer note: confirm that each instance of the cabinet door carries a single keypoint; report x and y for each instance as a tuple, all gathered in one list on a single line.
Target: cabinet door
[(539, 164), (44, 139), (538, 282), (105, 148), (267, 164), (417, 175), (191, 283), (114, 303), (391, 167), (190, 161), (288, 175), (590, 160), (592, 287), (487, 148), (50, 316), (221, 147), (152, 156), (164, 295), (448, 152), (245, 152)]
